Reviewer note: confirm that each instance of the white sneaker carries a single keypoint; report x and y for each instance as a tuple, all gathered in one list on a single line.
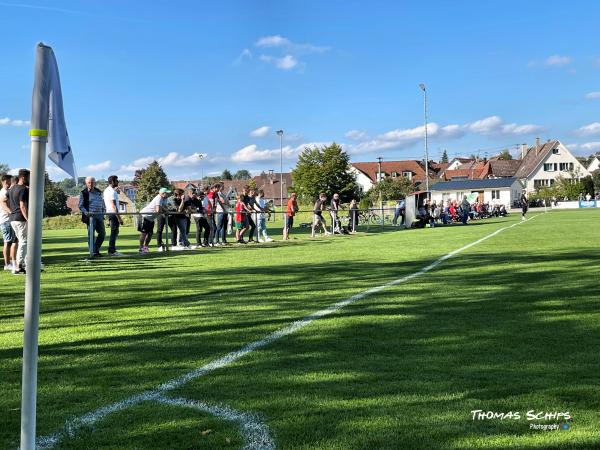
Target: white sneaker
[(522, 218), (176, 248), (161, 249), (8, 267), (115, 254)]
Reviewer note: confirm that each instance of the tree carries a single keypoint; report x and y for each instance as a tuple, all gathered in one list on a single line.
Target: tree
[(390, 189), (242, 175), (226, 175), (55, 199), (445, 156), (569, 188), (4, 168), (505, 155), (252, 184), (149, 180), (596, 180), (324, 169), (587, 186)]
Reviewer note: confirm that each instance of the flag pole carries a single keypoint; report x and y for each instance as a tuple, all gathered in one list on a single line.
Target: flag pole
[(32, 293), (39, 137)]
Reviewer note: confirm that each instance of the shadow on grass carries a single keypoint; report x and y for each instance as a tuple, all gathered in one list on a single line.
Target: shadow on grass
[(407, 365)]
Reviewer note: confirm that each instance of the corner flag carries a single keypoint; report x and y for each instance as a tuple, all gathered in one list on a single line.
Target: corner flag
[(47, 95), (47, 124)]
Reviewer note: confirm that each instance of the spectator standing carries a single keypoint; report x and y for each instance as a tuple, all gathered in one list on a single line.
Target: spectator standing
[(150, 212), (8, 235), (465, 210), (240, 219), (353, 216), (223, 205), (111, 203), (334, 212), (249, 202), (18, 201), (318, 219), (211, 208), (524, 204), (290, 212), (194, 204), (180, 221), (91, 205), (261, 205)]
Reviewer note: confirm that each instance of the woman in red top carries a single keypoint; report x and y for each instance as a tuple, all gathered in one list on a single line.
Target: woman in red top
[(240, 227), (292, 208)]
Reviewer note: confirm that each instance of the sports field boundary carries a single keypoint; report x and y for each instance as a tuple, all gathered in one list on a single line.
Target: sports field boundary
[(257, 440)]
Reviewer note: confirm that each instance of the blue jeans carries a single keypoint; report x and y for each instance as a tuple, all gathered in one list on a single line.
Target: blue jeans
[(181, 222), (96, 226), (221, 227)]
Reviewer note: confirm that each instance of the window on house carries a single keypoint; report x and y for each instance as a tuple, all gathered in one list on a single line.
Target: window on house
[(555, 151), (394, 174), (496, 194), (122, 208), (407, 174), (550, 167)]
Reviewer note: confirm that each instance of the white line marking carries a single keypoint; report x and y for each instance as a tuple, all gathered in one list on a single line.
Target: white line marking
[(71, 427), (255, 434)]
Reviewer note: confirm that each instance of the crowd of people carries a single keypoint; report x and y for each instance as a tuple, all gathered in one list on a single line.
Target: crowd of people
[(170, 213), (432, 213)]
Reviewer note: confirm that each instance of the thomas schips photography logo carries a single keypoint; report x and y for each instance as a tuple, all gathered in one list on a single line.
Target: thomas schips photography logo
[(532, 417)]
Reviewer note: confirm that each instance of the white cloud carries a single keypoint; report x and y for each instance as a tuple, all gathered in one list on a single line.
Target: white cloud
[(283, 53), (592, 95), (593, 129), (356, 134), (591, 146), (105, 165), (7, 121), (403, 138), (246, 54), (260, 132), (557, 61), (251, 153), (287, 62), (272, 41), (277, 41)]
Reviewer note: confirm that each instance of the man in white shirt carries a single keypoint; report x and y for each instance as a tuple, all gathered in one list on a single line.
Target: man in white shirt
[(111, 203), (8, 235), (156, 207)]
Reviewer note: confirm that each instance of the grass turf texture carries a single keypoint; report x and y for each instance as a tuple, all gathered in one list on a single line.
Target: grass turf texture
[(508, 325)]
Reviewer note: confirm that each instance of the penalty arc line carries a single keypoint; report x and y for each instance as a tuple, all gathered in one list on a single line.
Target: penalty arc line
[(73, 426)]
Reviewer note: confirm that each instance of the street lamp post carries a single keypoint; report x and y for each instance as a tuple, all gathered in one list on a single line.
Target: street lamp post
[(280, 134), (201, 157), (423, 88)]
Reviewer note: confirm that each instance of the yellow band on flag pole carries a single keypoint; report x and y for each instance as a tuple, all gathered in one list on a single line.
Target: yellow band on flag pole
[(37, 132)]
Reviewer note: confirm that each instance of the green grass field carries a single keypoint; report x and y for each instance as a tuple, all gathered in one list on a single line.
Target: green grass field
[(510, 324)]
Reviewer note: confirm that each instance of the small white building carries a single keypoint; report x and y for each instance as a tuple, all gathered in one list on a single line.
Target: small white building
[(544, 163), (500, 191)]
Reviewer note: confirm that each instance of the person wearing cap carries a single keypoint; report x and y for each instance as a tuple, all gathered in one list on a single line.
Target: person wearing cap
[(149, 213)]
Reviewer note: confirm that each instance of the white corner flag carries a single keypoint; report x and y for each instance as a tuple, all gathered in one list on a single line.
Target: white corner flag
[(47, 87), (47, 125)]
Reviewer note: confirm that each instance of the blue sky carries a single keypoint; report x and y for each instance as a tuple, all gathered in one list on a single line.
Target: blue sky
[(145, 80)]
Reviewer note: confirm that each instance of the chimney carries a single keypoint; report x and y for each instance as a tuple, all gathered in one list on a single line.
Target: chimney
[(523, 150), (537, 144)]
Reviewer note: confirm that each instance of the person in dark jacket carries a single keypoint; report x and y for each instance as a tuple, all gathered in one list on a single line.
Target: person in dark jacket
[(91, 205), (524, 205)]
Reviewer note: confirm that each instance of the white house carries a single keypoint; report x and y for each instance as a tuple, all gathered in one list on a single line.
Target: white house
[(501, 191), (544, 163), (594, 165)]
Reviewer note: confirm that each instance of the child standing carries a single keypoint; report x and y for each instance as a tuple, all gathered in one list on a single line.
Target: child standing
[(240, 223)]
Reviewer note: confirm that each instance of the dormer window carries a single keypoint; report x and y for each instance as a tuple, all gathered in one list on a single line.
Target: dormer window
[(555, 151), (394, 174), (407, 174)]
